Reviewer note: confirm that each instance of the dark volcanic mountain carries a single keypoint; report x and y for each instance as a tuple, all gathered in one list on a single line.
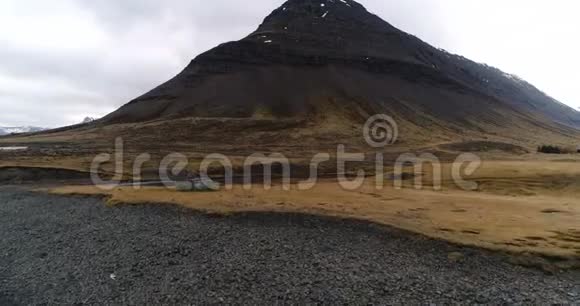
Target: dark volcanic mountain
[(324, 60)]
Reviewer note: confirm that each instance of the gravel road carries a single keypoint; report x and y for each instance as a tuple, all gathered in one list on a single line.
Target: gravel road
[(69, 250)]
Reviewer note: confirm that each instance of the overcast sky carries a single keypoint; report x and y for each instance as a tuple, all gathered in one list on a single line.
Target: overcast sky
[(63, 60)]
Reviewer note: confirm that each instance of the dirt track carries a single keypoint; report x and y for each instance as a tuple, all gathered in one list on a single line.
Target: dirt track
[(63, 250)]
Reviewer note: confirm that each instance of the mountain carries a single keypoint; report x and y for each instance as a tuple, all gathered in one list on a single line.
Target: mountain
[(332, 61), (88, 120), (19, 130)]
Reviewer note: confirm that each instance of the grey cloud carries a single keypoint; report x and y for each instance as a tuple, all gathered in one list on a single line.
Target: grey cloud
[(87, 72), (142, 54), (195, 12), (48, 110)]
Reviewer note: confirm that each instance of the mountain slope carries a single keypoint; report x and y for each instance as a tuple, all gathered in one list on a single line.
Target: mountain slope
[(315, 59)]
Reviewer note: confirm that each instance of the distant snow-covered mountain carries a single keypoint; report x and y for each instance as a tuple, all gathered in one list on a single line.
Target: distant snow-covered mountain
[(19, 130), (32, 129), (89, 120)]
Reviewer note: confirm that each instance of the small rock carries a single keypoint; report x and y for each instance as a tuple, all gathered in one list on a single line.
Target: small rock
[(196, 185), (184, 186), (455, 256)]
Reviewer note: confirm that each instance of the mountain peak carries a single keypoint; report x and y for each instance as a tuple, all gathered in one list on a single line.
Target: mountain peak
[(326, 27), (88, 120), (318, 9)]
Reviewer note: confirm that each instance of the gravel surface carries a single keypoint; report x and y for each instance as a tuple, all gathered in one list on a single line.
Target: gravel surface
[(69, 250)]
